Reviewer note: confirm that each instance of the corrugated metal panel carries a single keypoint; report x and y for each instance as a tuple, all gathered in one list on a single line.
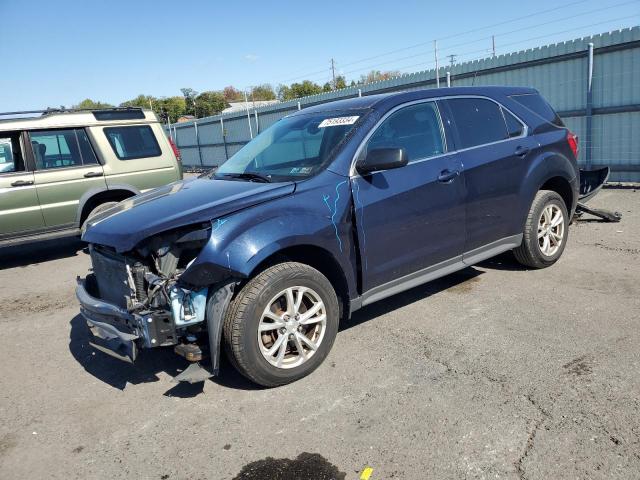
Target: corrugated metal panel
[(562, 81), (213, 156), (616, 78), (186, 136), (190, 156), (210, 133)]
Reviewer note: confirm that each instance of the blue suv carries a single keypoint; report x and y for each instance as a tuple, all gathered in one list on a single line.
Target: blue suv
[(328, 210)]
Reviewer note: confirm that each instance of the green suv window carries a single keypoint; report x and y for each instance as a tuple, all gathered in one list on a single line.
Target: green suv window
[(62, 148), (133, 142), (10, 160)]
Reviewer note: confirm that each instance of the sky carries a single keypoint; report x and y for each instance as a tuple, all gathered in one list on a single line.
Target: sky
[(60, 52)]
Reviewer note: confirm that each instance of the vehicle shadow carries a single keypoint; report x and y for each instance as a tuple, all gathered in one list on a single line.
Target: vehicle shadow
[(116, 372), (38, 252), (148, 365), (462, 279), (504, 261)]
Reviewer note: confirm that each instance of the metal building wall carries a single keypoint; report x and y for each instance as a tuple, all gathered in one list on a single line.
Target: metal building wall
[(559, 71)]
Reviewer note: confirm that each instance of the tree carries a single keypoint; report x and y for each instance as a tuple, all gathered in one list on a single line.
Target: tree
[(232, 94), (298, 90), (341, 82), (142, 101), (88, 104), (263, 92), (190, 95), (209, 103), (377, 76), (174, 107)]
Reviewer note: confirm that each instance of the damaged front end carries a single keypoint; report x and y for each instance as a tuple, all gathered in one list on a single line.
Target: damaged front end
[(139, 299)]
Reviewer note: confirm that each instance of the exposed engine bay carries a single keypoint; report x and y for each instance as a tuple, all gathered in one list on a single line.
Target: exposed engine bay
[(137, 299)]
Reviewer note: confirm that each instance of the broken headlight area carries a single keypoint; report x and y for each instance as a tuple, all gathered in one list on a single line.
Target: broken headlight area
[(137, 299)]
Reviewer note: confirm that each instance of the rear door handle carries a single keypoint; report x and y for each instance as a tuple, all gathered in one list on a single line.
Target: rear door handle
[(22, 183), (93, 174), (522, 151), (447, 176)]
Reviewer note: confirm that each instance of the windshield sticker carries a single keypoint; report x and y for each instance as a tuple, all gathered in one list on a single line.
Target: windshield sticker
[(334, 122), (303, 170)]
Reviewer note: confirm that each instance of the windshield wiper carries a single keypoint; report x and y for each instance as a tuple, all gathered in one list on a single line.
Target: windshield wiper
[(251, 176)]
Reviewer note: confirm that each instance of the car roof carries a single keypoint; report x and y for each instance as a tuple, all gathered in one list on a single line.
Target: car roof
[(81, 118), (383, 101)]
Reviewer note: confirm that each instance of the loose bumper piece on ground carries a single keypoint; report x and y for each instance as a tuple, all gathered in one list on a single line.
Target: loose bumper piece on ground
[(591, 181)]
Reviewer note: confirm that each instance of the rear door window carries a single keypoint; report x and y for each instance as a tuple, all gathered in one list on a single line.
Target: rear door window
[(415, 128), (136, 141), (539, 106), (479, 121), (61, 148)]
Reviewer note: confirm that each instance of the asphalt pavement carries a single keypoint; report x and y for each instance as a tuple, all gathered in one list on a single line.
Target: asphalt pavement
[(493, 372)]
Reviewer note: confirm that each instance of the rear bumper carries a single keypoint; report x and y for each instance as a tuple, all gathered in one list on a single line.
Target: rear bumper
[(112, 329)]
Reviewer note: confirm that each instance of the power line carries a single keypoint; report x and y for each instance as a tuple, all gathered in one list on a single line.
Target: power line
[(522, 41), (489, 50), (461, 44), (449, 48), (445, 38)]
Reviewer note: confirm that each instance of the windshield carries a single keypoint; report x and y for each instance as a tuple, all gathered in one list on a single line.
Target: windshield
[(293, 148)]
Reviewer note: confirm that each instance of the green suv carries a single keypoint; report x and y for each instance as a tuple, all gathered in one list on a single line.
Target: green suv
[(60, 168)]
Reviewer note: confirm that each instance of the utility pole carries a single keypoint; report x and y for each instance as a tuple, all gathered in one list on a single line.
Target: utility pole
[(493, 45), (452, 58), (435, 53), (333, 72)]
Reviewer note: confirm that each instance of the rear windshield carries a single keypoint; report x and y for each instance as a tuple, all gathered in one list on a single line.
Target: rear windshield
[(539, 106), (136, 141)]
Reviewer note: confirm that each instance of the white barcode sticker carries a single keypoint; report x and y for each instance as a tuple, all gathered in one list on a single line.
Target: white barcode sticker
[(334, 122)]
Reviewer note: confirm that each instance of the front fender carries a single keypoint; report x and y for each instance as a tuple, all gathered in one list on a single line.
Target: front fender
[(317, 216)]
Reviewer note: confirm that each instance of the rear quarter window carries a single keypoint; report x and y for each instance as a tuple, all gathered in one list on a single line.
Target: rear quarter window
[(479, 121), (539, 106), (136, 141)]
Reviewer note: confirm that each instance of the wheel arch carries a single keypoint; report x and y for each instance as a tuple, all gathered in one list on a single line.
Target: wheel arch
[(315, 257), (94, 197), (562, 187), (549, 171)]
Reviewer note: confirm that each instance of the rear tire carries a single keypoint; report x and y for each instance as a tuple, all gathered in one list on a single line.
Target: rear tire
[(546, 231), (282, 324), (99, 209)]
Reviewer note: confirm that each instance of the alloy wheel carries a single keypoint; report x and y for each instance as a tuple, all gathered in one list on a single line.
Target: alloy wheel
[(550, 230), (292, 327)]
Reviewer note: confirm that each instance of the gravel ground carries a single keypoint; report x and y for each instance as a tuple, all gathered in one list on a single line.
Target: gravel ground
[(493, 372)]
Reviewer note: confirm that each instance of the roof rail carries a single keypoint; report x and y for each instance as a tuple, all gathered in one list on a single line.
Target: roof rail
[(67, 110)]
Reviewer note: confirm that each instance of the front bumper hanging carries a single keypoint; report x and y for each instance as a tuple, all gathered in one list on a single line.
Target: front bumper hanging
[(117, 332)]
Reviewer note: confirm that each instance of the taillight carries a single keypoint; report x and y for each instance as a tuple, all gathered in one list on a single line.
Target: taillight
[(572, 140), (176, 152)]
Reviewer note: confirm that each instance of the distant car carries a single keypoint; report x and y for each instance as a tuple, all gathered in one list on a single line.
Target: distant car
[(330, 209), (58, 169)]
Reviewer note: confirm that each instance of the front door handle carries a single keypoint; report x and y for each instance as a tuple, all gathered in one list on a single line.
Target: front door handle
[(22, 183), (447, 176), (93, 174), (522, 151)]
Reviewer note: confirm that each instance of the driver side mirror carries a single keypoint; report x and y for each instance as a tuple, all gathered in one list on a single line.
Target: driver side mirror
[(382, 159)]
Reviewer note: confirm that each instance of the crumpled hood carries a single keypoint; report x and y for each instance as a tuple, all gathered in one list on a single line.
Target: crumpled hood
[(175, 205)]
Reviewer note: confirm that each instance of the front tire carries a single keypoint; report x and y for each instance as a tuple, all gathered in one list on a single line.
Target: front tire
[(282, 324), (546, 231)]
